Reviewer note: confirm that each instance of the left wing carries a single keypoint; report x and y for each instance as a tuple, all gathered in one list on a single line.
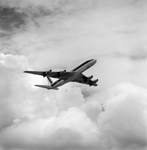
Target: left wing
[(54, 74), (41, 73)]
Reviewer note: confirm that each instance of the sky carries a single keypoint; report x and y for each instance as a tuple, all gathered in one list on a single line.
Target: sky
[(59, 35)]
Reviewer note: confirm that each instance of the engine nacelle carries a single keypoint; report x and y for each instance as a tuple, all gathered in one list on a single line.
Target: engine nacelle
[(62, 72), (90, 77), (93, 82), (96, 80), (44, 74)]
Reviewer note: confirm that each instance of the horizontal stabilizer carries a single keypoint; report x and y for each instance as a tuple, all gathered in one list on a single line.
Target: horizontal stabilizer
[(47, 87)]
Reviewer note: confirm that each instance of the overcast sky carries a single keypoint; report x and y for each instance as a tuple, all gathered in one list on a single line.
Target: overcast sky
[(61, 34)]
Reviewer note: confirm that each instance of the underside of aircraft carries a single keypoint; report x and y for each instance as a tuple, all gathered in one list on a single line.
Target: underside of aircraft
[(64, 76)]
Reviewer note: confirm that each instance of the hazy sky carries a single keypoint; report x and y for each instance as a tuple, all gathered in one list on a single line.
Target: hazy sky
[(61, 34)]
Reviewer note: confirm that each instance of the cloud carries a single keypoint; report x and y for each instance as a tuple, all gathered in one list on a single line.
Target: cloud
[(25, 113), (40, 119), (123, 124), (16, 18), (60, 35), (139, 54), (90, 33)]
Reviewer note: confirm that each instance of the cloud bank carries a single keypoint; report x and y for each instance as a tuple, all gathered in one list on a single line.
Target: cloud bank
[(32, 118), (59, 35)]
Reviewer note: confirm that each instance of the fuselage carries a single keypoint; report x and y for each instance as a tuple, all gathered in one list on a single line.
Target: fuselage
[(78, 70), (85, 65)]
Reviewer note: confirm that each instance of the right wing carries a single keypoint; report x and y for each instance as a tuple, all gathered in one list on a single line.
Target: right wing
[(81, 79), (85, 80), (47, 87)]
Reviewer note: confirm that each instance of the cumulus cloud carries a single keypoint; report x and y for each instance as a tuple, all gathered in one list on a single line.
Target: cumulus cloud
[(33, 118), (124, 123), (29, 112), (60, 35)]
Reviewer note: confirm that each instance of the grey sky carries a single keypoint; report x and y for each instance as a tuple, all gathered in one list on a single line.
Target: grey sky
[(58, 35)]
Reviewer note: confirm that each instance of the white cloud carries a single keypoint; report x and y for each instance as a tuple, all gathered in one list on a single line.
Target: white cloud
[(64, 119), (72, 118), (124, 122)]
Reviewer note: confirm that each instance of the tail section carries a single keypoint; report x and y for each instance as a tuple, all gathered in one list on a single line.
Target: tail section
[(47, 87)]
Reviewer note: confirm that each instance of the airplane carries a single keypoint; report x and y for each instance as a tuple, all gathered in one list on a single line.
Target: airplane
[(64, 76)]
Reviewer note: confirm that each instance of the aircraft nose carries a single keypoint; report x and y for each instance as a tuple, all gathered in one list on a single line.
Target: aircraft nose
[(94, 60)]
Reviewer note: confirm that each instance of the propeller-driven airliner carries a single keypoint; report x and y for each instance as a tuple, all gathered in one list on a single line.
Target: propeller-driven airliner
[(64, 76)]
